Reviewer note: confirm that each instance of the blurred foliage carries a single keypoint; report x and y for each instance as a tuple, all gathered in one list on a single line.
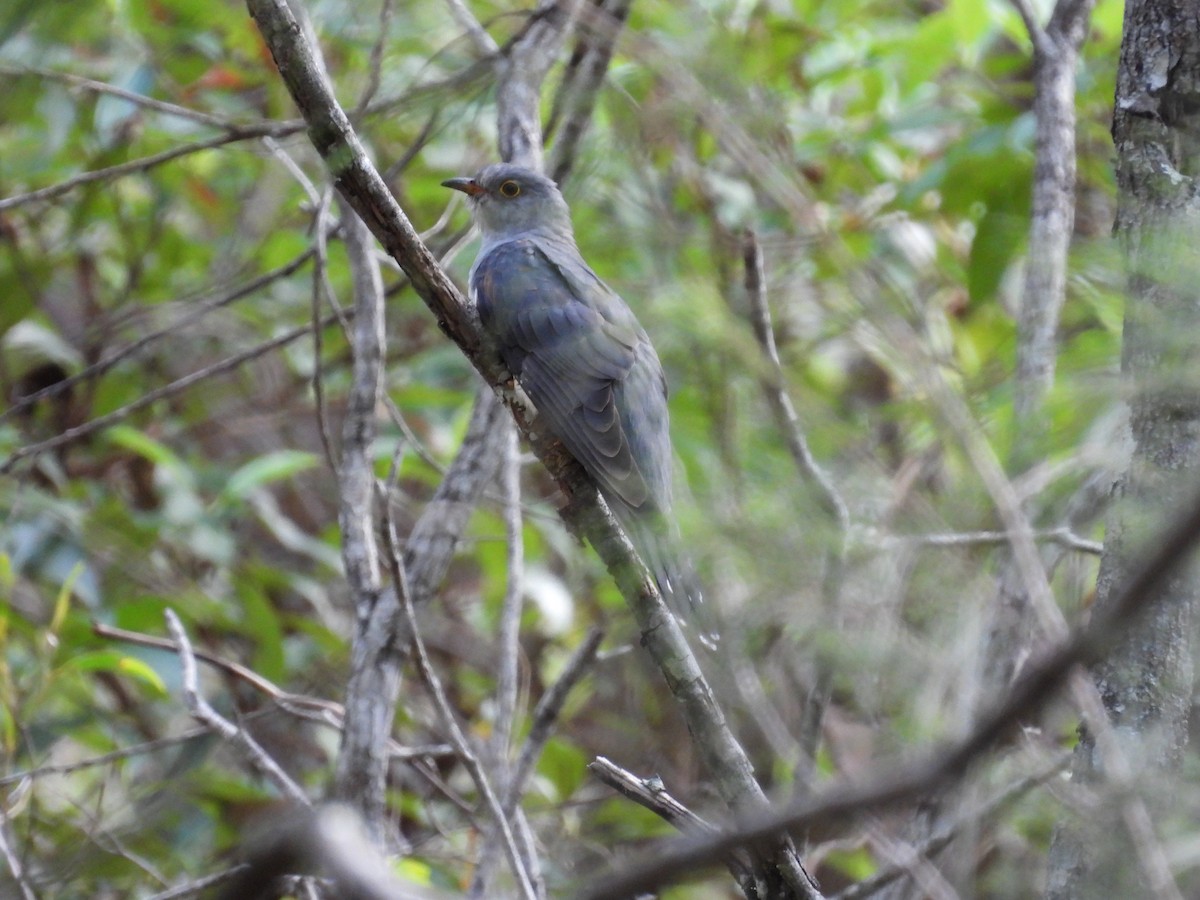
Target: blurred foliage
[(881, 151)]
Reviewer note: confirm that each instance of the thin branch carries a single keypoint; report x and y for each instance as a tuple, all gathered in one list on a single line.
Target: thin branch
[(202, 712), (161, 106), (776, 389), (198, 309), (547, 711), (1062, 536), (575, 102), (99, 423), (322, 289), (485, 46), (15, 868), (508, 636), (249, 676), (112, 756), (463, 747), (146, 163), (651, 794), (361, 778), (375, 65)]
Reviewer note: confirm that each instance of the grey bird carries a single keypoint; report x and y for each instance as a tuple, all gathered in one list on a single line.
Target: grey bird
[(580, 355)]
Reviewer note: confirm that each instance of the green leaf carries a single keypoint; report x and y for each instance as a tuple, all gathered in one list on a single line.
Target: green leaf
[(118, 664), (275, 466), (62, 603), (998, 236), (143, 445)]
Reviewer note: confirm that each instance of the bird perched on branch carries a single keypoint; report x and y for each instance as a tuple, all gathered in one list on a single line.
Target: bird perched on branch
[(580, 355)]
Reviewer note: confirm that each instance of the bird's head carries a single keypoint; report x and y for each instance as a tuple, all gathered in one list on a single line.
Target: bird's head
[(510, 200)]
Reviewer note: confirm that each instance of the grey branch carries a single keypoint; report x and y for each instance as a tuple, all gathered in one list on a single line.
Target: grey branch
[(1055, 53), (775, 388), (204, 713), (545, 714), (602, 23), (458, 739), (15, 868), (329, 841), (520, 71), (650, 793), (361, 778)]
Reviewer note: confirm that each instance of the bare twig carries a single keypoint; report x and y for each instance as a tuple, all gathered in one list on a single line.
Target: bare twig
[(1062, 536), (483, 43), (776, 390), (547, 711), (200, 310), (15, 867), (202, 712), (161, 106), (99, 423), (252, 678), (330, 841), (146, 163), (321, 288), (575, 101), (463, 747), (650, 793), (361, 778), (508, 637), (374, 66)]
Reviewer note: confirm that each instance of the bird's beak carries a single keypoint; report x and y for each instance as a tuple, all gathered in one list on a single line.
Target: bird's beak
[(468, 186)]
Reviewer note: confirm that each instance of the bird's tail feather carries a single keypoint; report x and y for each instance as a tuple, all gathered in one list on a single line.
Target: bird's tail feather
[(660, 546)]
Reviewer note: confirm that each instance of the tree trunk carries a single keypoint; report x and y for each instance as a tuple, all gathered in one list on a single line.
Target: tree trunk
[(1146, 683)]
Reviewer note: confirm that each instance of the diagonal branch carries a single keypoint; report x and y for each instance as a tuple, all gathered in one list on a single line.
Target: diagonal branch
[(357, 180), (1038, 685)]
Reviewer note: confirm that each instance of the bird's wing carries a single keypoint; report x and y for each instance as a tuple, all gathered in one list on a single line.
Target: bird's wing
[(574, 344)]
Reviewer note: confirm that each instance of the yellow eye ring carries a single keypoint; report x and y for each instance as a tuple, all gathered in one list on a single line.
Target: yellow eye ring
[(510, 189)]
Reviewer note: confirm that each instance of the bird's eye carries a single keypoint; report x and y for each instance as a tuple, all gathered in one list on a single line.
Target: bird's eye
[(510, 189)]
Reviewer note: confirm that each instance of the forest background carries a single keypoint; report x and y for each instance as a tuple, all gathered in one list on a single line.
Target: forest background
[(874, 246)]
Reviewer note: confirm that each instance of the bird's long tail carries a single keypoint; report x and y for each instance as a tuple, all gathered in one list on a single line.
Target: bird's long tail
[(658, 542)]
